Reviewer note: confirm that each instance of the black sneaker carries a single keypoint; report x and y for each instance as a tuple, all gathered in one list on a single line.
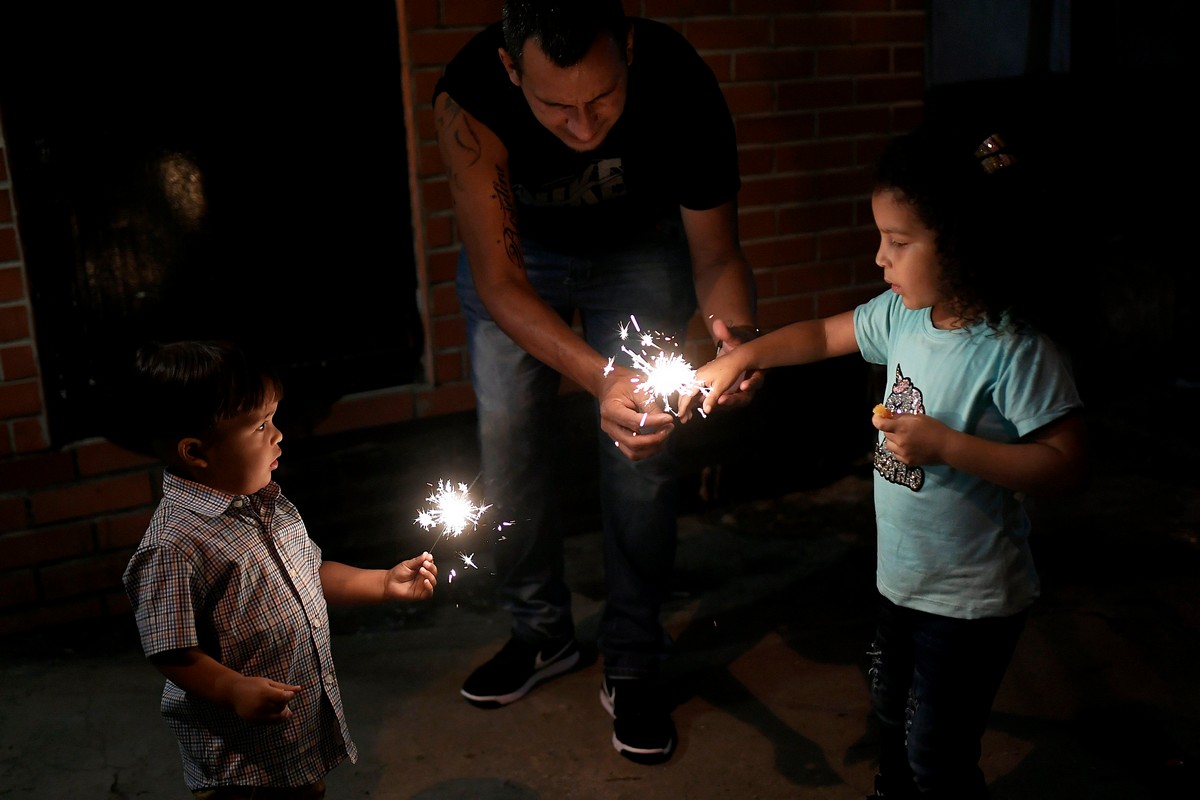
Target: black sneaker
[(642, 728), (516, 669)]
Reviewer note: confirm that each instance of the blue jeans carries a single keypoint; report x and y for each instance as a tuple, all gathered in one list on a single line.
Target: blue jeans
[(933, 682), (650, 279)]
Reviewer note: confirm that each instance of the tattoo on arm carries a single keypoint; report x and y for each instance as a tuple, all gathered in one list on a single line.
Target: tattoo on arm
[(512, 238)]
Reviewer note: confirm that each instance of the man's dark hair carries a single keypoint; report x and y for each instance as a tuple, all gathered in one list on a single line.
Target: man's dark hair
[(564, 29), (184, 388)]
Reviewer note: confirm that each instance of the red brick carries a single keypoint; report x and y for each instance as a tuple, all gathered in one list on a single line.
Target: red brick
[(858, 244), (774, 252), (661, 9), (421, 13), (89, 498), (903, 27), (439, 230), (14, 320), (448, 367), (8, 245), (477, 13), (12, 286), (811, 30), (726, 33), (749, 97), (14, 513), (23, 474), (29, 548), (436, 47), (780, 64), (842, 183), (853, 61), (19, 399), (449, 332), (815, 155), (17, 588), (909, 59), (29, 435), (121, 530), (756, 161), (756, 224), (813, 278), (101, 457), (888, 88), (807, 95), (443, 300), (368, 411), (449, 399), (443, 266), (48, 616), (17, 362), (775, 313), (775, 128), (83, 576), (770, 190)]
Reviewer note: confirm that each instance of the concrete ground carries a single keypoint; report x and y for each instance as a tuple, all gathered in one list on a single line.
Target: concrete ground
[(771, 619)]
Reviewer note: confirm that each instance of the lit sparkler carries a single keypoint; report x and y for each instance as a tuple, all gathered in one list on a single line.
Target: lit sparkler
[(452, 510), (665, 372)]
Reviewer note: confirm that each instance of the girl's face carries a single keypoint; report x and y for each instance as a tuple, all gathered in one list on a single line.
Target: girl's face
[(237, 457), (908, 255)]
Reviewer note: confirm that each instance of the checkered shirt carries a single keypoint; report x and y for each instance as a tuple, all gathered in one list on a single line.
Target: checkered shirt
[(239, 577)]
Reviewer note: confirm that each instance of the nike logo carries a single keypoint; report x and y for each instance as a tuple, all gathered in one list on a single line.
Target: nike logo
[(540, 663)]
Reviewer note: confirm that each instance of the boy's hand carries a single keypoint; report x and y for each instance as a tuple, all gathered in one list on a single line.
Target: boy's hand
[(261, 699), (413, 579)]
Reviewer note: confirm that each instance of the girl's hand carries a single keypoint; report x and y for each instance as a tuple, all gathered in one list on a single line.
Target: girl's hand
[(914, 439)]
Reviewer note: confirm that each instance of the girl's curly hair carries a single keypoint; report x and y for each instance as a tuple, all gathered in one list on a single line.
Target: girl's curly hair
[(976, 210)]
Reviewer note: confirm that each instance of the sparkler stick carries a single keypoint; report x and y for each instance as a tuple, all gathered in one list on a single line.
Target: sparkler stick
[(452, 510)]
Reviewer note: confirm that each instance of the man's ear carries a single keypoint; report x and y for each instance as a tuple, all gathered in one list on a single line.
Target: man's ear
[(510, 67), (629, 47), (191, 453)]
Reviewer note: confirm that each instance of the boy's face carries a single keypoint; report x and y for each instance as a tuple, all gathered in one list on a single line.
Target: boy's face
[(581, 103), (238, 456)]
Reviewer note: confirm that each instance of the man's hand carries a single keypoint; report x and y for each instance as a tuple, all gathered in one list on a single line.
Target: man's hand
[(638, 429), (742, 391)]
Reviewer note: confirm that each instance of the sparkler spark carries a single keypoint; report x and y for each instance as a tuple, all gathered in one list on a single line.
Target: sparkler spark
[(452, 510), (664, 372)]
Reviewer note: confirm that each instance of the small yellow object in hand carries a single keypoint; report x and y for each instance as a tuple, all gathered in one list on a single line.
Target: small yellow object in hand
[(881, 410)]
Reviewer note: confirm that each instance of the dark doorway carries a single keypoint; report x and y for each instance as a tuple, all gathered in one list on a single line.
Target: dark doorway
[(211, 170)]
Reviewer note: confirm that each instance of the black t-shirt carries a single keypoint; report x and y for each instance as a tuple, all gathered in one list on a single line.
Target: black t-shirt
[(673, 146)]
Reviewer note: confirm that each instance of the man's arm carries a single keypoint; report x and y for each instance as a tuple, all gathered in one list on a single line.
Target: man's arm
[(477, 164), (724, 286)]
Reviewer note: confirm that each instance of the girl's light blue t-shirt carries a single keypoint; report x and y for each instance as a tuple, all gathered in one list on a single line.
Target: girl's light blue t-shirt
[(951, 543)]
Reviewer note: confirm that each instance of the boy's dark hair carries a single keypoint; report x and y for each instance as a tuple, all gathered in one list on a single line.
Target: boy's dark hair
[(975, 208), (564, 29), (182, 389)]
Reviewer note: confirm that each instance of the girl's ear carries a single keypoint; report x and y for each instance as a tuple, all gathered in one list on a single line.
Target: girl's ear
[(191, 453)]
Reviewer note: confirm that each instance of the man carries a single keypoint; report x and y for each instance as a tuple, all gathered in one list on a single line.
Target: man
[(587, 179)]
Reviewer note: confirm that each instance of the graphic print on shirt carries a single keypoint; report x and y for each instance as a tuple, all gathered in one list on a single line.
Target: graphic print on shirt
[(601, 180), (903, 399)]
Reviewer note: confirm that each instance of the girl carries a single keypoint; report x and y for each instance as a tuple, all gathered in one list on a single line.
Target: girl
[(982, 409)]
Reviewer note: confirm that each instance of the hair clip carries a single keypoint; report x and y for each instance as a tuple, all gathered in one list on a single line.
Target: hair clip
[(990, 156)]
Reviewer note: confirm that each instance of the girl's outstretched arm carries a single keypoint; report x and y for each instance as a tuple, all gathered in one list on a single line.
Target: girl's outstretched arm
[(798, 343)]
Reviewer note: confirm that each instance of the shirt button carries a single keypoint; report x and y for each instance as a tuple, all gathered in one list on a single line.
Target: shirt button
[(238, 503)]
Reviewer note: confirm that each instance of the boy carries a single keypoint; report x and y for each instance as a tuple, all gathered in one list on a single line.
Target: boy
[(229, 592)]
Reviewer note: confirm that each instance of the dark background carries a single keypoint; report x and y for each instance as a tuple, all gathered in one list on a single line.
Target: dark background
[(191, 169)]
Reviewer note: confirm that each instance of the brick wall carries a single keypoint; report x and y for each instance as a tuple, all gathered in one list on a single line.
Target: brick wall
[(816, 88)]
